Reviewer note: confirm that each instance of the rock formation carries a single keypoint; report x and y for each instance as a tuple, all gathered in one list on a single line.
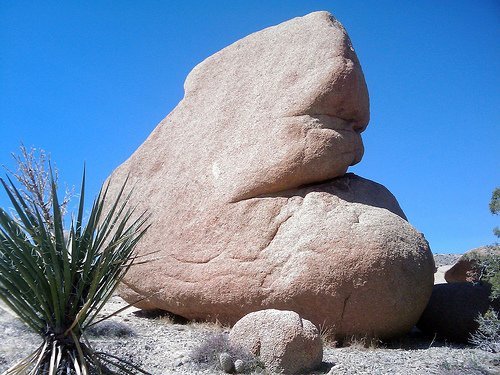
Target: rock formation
[(249, 201)]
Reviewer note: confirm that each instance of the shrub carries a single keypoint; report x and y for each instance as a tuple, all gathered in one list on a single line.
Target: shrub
[(495, 208), (491, 272), (207, 354), (486, 268), (487, 336), (58, 285), (33, 173), (110, 329), (495, 202)]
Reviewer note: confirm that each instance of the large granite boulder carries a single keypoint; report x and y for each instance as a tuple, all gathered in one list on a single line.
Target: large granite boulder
[(250, 205)]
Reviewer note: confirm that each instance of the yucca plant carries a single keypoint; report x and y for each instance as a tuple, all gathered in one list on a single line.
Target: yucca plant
[(57, 284)]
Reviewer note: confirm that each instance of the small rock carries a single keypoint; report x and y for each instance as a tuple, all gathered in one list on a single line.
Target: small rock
[(284, 341), (181, 358), (226, 363), (178, 362), (239, 366)]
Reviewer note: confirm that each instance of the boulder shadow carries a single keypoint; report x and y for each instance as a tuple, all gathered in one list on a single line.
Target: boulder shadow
[(418, 340), (324, 368), (161, 314)]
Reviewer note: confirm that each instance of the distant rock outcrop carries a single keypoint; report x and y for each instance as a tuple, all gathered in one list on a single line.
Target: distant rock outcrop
[(250, 205)]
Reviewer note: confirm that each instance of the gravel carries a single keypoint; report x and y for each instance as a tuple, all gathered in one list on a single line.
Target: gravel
[(161, 345)]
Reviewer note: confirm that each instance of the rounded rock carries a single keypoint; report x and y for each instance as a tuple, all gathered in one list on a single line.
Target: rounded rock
[(226, 363), (284, 342), (239, 366)]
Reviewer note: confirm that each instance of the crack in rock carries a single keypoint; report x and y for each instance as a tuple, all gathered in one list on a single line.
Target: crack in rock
[(195, 261), (344, 307), (275, 232)]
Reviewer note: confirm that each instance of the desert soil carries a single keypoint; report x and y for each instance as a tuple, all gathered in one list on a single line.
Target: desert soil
[(162, 346)]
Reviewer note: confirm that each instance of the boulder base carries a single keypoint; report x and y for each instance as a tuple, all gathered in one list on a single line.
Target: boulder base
[(334, 253)]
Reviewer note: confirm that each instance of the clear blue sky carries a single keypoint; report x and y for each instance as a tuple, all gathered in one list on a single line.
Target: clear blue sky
[(88, 81)]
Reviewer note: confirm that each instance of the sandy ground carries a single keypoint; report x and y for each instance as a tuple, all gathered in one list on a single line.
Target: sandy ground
[(162, 346)]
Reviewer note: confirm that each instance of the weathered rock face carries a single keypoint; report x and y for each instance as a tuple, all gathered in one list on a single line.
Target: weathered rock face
[(250, 208), (284, 342)]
